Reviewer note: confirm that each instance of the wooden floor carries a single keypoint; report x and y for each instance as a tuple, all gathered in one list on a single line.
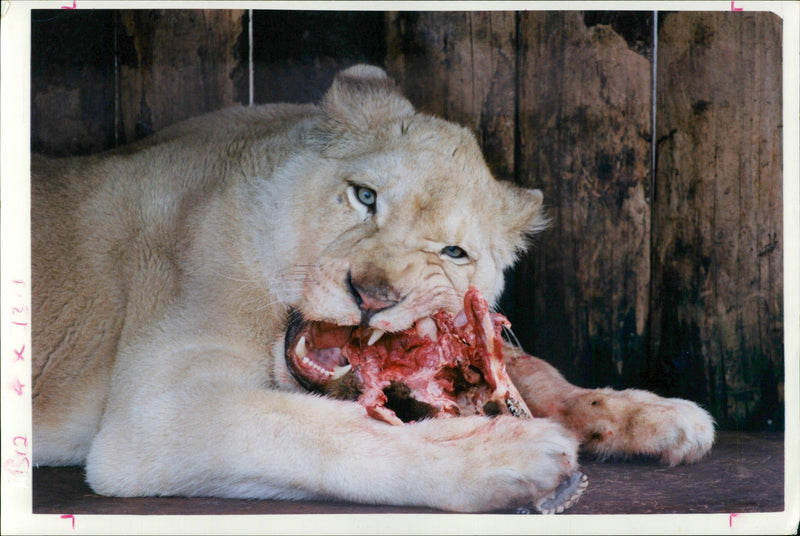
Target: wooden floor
[(743, 473)]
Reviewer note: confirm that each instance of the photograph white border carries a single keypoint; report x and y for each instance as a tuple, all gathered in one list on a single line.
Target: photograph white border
[(15, 32)]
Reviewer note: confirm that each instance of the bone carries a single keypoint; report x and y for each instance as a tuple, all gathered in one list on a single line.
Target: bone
[(460, 319), (517, 408), (564, 496)]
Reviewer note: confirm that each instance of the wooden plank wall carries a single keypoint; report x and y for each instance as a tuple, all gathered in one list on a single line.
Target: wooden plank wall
[(73, 89), (665, 276), (587, 148), (718, 276), (175, 64), (102, 78)]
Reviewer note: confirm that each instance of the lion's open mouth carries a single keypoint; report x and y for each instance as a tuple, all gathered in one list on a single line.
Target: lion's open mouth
[(314, 352), (444, 365)]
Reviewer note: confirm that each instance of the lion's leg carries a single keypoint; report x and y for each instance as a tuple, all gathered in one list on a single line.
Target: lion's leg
[(609, 422), (207, 426)]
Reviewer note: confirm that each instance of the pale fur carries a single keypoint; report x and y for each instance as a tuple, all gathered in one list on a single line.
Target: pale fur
[(164, 272)]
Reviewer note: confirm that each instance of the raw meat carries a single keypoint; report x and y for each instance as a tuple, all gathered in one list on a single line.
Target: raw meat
[(445, 365)]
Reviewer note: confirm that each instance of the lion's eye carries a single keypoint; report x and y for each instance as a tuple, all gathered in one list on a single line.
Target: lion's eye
[(363, 199), (455, 253), (367, 197)]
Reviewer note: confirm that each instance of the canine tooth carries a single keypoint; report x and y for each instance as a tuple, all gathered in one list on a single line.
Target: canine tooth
[(338, 372), (301, 349), (376, 334), (427, 327)]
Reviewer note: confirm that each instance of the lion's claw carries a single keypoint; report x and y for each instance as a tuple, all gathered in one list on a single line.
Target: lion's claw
[(564, 496)]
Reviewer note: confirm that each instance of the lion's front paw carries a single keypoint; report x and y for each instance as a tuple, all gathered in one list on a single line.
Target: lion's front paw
[(634, 422), (504, 463)]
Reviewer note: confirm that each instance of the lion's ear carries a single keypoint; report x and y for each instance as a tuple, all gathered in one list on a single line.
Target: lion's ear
[(363, 97), (527, 215)]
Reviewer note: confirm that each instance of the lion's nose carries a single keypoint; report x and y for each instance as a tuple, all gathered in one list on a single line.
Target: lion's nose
[(372, 296)]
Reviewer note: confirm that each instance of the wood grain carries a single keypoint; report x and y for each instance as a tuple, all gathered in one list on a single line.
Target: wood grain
[(461, 66), (582, 294), (717, 271), (72, 82), (175, 64), (297, 53)]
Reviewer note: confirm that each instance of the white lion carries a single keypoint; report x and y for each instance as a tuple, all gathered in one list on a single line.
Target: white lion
[(164, 274)]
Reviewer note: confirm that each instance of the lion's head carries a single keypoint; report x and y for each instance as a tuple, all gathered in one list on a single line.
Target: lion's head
[(400, 215)]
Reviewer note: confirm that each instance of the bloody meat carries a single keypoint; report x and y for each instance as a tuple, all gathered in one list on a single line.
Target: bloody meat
[(461, 372), (445, 365)]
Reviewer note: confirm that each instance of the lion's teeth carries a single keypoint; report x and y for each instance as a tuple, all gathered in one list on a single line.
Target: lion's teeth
[(426, 327), (338, 372), (301, 349), (376, 334), (307, 362)]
